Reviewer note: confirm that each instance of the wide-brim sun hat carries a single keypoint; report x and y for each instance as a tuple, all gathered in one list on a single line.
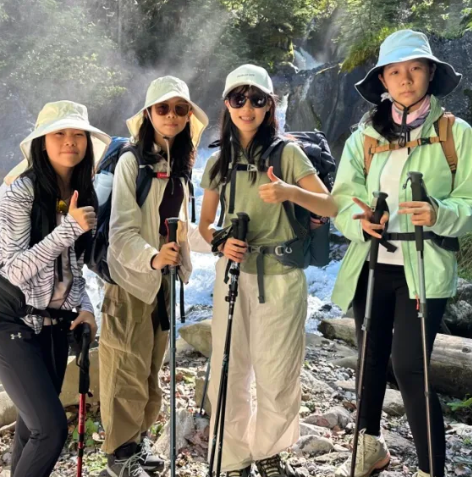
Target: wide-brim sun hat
[(163, 89), (249, 75), (54, 117), (407, 45)]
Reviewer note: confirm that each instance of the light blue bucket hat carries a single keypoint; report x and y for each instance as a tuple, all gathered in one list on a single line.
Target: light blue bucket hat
[(406, 45)]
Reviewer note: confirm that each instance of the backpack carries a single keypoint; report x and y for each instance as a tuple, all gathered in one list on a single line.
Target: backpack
[(443, 127), (310, 246), (106, 168), (445, 137)]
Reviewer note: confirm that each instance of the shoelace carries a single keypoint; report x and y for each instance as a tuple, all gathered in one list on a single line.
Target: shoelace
[(271, 466), (146, 448), (234, 473), (131, 465)]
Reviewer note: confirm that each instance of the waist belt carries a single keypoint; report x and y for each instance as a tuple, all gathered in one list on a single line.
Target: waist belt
[(262, 250), (407, 236)]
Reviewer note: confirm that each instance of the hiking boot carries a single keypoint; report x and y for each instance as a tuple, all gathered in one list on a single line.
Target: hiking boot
[(247, 472), (125, 462), (372, 454), (148, 460), (271, 467)]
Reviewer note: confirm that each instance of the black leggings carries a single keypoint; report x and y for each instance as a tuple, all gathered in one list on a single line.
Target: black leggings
[(393, 310), (32, 369)]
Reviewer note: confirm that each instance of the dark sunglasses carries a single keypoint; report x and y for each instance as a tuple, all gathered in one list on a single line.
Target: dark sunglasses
[(238, 100), (181, 109)]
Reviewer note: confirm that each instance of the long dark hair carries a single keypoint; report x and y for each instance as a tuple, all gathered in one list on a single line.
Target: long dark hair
[(47, 192), (231, 147), (182, 151), (381, 115)]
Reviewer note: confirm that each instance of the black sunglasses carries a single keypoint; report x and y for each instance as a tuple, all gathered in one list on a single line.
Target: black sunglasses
[(238, 100), (181, 109)]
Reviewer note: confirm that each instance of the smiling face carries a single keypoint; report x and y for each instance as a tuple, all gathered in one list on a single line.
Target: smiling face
[(408, 81), (66, 149), (253, 107), (170, 117)]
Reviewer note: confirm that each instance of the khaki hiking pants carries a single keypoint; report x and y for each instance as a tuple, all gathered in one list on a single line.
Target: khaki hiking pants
[(268, 347), (131, 351)]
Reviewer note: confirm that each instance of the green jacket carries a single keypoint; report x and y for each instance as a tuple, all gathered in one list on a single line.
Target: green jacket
[(454, 216)]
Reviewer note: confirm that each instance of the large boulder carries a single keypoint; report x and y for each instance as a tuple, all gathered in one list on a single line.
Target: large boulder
[(458, 315), (198, 335)]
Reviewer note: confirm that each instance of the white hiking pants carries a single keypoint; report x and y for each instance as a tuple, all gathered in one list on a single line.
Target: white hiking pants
[(268, 346)]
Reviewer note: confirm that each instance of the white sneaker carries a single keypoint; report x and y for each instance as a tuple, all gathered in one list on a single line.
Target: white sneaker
[(372, 454)]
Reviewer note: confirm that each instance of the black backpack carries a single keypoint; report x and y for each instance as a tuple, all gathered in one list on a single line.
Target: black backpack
[(119, 145), (310, 246)]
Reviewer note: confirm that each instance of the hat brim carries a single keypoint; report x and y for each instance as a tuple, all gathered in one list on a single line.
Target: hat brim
[(198, 120), (246, 83), (445, 79), (100, 140)]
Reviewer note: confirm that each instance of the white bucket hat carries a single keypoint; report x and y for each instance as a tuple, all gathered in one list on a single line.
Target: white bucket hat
[(163, 89), (54, 117), (406, 45), (66, 115), (249, 75)]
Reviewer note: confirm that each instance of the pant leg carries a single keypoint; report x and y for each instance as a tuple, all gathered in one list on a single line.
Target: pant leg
[(379, 341), (125, 353), (34, 386), (277, 351), (161, 339), (409, 372), (236, 451)]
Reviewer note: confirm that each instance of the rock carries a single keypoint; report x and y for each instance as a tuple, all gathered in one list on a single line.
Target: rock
[(198, 335), (313, 385), (349, 362), (333, 457), (337, 416), (185, 426), (182, 348), (393, 403), (199, 386), (6, 458), (458, 314), (311, 430), (313, 445), (7, 410), (5, 473), (346, 385), (398, 445), (70, 388)]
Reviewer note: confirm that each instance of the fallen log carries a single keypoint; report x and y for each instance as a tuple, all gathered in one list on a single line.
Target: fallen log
[(451, 363)]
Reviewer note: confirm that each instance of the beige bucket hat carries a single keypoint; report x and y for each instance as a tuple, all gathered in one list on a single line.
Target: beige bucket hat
[(163, 89), (54, 117)]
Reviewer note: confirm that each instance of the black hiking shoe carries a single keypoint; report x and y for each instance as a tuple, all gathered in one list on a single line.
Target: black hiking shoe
[(271, 467), (148, 460), (124, 462)]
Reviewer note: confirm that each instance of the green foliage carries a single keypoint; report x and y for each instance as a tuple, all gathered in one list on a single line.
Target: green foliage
[(90, 429), (466, 404)]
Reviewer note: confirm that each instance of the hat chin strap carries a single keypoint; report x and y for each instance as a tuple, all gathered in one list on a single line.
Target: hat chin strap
[(403, 128), (166, 139)]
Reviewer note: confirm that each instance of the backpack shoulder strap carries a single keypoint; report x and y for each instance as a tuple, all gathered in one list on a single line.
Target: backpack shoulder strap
[(443, 127), (370, 144), (144, 177), (275, 160)]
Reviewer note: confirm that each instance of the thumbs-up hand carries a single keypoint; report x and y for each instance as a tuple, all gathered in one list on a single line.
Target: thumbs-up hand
[(276, 190), (84, 216)]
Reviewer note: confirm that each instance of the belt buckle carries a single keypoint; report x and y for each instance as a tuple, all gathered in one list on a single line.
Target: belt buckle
[(255, 248), (251, 168)]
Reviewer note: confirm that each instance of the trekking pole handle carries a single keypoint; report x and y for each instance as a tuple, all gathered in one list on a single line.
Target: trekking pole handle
[(417, 194), (380, 204), (172, 228), (243, 220)]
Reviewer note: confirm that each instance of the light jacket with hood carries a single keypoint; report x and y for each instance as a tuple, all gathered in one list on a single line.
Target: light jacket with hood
[(454, 206), (134, 231)]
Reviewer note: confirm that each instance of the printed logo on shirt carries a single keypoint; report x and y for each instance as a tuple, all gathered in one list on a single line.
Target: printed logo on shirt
[(18, 335)]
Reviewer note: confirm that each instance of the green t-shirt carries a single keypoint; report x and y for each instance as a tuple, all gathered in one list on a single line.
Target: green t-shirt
[(269, 224)]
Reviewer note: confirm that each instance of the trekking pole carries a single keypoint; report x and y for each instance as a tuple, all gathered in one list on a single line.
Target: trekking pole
[(418, 193), (205, 388), (380, 204), (84, 386), (240, 226), (172, 228)]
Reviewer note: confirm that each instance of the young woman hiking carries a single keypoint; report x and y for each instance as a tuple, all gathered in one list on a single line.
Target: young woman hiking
[(135, 322), (404, 87), (268, 337), (46, 220)]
